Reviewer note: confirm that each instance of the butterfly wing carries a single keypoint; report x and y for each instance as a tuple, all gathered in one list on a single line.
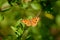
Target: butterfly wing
[(34, 21), (27, 22)]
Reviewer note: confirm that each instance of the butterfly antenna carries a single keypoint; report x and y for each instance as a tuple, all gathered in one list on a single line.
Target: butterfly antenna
[(39, 13)]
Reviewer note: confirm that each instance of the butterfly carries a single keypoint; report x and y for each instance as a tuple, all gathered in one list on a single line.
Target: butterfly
[(32, 22)]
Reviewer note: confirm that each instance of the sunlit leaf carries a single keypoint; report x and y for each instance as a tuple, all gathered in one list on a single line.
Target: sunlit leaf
[(5, 6), (48, 15), (35, 6), (14, 29), (26, 1), (58, 20), (24, 5)]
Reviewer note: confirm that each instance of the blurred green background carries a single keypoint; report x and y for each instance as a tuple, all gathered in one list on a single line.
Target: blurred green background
[(13, 11)]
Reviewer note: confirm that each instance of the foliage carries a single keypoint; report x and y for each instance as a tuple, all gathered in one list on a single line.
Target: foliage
[(12, 12)]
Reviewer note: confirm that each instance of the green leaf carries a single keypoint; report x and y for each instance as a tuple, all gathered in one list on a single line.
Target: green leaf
[(24, 5), (58, 3), (1, 17), (35, 6), (5, 6), (58, 20), (20, 31), (14, 29), (18, 22)]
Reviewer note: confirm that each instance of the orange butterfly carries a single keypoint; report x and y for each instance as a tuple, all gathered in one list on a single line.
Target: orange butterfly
[(32, 22)]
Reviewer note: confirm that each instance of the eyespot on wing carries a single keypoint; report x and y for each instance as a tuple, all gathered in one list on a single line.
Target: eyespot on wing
[(27, 22), (34, 21)]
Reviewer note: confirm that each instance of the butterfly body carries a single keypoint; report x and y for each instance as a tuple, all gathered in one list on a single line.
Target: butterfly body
[(31, 22)]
